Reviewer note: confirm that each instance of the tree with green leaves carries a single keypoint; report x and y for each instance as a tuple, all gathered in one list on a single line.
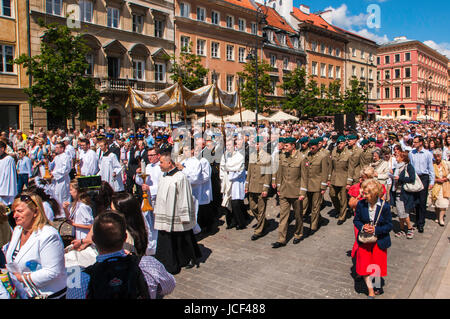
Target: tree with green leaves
[(294, 86), (60, 85), (248, 91), (333, 100), (355, 98), (189, 68)]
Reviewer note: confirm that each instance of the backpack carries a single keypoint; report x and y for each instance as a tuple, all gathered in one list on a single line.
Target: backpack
[(117, 278)]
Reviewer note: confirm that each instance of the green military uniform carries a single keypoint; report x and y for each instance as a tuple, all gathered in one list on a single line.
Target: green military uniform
[(354, 164), (288, 182), (258, 181), (366, 156), (315, 170), (340, 178)]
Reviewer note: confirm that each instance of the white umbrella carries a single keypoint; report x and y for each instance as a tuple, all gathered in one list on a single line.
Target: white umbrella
[(403, 117), (159, 124), (247, 116), (281, 116)]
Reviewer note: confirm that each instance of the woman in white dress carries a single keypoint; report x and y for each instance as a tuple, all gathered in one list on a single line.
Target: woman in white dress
[(440, 193)]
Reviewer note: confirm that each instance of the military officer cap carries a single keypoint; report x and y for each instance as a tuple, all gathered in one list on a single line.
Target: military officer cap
[(392, 135), (100, 137), (140, 137), (314, 141), (259, 139), (132, 136), (290, 140), (304, 140), (159, 137), (371, 139), (364, 142), (341, 139), (109, 135), (165, 137)]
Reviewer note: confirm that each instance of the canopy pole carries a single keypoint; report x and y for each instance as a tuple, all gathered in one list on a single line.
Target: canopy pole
[(204, 130), (180, 88), (221, 113), (240, 103), (130, 100), (171, 123)]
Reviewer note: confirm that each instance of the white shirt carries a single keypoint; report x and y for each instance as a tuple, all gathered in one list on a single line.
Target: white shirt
[(8, 180), (154, 173), (81, 214), (89, 162), (48, 211)]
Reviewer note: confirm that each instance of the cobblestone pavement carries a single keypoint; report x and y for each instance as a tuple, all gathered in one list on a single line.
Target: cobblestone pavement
[(235, 267)]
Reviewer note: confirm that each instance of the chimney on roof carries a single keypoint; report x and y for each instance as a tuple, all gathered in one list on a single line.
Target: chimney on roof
[(304, 9)]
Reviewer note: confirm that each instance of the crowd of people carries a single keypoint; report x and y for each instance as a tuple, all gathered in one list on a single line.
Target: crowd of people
[(161, 188)]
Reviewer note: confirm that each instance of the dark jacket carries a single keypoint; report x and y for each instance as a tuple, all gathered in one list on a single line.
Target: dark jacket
[(382, 228), (407, 198)]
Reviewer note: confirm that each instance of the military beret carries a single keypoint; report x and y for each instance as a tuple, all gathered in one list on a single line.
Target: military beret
[(259, 139), (290, 140), (371, 139), (327, 135), (352, 137), (314, 141), (282, 140), (341, 139), (364, 142), (320, 139), (304, 140)]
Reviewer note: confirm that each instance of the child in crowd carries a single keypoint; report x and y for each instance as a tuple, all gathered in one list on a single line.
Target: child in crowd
[(79, 212)]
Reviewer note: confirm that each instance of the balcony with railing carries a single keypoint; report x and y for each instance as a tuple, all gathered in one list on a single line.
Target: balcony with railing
[(111, 85)]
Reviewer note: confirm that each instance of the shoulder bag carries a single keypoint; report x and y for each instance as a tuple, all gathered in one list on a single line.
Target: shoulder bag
[(366, 238), (415, 187)]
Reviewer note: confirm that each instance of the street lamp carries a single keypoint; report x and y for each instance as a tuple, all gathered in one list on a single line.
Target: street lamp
[(427, 102), (260, 20)]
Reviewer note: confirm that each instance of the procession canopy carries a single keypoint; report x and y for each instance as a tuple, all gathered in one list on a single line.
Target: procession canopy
[(178, 98)]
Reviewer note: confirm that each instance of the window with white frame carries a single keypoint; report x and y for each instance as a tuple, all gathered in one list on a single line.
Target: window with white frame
[(113, 18), (295, 42), (370, 74), (6, 57), (378, 93), (159, 28), (338, 52), (241, 24), (338, 72), (185, 43), (322, 48), (230, 83), (90, 61), (397, 92), (363, 55), (201, 47), (86, 10), (407, 91), (397, 73), (285, 63), (254, 28), (282, 38), (407, 56), (139, 70), (407, 72), (242, 55), (215, 17), (330, 71), (386, 93), (201, 14), (270, 36), (138, 23), (230, 52), (53, 7), (314, 68), (6, 9), (387, 74), (330, 50), (314, 46), (185, 9), (230, 22), (241, 82), (160, 72), (353, 52), (273, 60), (363, 73), (274, 86), (353, 70), (215, 49), (323, 70)]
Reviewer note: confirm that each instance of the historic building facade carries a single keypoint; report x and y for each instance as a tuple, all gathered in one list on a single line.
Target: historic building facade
[(412, 80)]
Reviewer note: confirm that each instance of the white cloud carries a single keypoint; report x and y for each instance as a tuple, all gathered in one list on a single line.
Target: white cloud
[(442, 48), (372, 36), (341, 17)]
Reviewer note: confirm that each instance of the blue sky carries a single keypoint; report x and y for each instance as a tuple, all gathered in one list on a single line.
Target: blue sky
[(426, 21)]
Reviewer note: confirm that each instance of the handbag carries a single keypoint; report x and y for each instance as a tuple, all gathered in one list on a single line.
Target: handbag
[(366, 238), (415, 187)]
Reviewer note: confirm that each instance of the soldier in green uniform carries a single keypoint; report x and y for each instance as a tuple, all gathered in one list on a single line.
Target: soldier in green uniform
[(366, 155), (314, 173), (339, 181), (304, 145), (354, 164), (259, 176), (288, 181), (326, 153)]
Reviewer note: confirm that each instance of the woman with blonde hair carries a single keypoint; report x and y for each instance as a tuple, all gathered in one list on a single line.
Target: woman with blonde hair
[(36, 251), (373, 217), (440, 192)]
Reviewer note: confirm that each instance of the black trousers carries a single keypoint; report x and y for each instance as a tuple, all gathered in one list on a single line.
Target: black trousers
[(421, 201), (206, 216), (237, 209)]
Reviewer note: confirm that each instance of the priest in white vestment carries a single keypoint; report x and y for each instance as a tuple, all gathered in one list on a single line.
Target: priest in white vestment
[(175, 219), (59, 170), (8, 176), (154, 173), (88, 159), (110, 168)]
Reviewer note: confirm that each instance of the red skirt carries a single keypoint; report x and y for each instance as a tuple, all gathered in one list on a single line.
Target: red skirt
[(371, 260)]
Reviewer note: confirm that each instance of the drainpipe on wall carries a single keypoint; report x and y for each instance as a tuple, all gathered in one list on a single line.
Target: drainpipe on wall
[(30, 79)]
